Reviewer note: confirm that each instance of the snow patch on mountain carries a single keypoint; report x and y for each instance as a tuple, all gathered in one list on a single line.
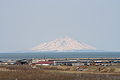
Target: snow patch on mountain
[(62, 44)]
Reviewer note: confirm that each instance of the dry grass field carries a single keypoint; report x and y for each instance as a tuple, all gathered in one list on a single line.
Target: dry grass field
[(45, 73)]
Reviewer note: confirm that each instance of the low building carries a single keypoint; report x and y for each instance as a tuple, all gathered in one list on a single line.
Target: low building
[(23, 61), (44, 63)]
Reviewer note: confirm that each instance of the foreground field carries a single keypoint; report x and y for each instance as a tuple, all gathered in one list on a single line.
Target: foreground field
[(28, 73)]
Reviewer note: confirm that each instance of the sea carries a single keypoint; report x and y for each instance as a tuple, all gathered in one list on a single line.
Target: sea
[(53, 55)]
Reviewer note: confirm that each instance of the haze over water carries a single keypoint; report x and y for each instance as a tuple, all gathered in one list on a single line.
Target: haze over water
[(60, 55)]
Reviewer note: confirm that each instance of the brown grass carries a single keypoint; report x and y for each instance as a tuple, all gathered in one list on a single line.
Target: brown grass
[(27, 73), (62, 68)]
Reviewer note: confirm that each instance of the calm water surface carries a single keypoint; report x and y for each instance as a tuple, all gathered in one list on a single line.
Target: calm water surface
[(60, 55)]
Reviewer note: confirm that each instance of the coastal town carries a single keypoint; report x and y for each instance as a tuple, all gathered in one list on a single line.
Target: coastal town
[(63, 62)]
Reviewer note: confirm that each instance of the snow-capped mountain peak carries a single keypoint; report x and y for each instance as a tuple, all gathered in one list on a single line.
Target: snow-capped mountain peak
[(62, 44)]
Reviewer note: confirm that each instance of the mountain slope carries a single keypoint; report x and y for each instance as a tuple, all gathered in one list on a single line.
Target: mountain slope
[(62, 44)]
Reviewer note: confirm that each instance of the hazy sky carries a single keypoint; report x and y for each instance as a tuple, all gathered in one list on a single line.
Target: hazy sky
[(27, 23)]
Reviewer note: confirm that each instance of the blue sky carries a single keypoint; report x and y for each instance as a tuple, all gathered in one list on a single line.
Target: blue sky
[(27, 23)]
